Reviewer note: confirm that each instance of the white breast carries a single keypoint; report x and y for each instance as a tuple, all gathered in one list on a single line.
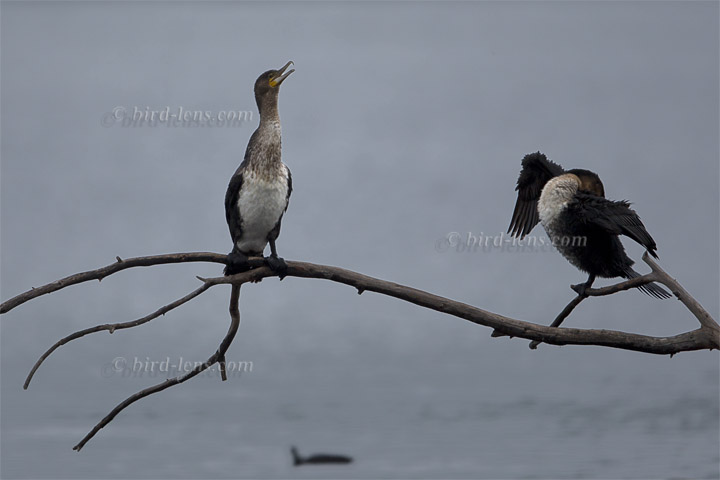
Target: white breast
[(554, 198), (261, 203)]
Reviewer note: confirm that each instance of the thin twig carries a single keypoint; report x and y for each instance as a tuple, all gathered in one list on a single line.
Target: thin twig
[(684, 296), (708, 325), (562, 316), (625, 285), (111, 327), (224, 345)]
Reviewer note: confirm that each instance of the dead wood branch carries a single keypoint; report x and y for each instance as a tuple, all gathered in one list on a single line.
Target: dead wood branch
[(216, 357), (103, 272), (707, 337), (704, 338), (707, 323), (111, 327)]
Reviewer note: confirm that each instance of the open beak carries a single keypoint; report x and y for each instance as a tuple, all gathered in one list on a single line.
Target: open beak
[(281, 75)]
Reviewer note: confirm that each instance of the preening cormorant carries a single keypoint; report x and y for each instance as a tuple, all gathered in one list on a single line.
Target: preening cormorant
[(319, 458), (259, 191), (582, 224)]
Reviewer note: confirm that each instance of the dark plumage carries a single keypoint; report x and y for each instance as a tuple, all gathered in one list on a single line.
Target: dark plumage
[(320, 458), (535, 173), (582, 224), (259, 191)]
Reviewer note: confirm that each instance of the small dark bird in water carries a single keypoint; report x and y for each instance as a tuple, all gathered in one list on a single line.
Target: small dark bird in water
[(259, 191), (571, 205), (319, 458)]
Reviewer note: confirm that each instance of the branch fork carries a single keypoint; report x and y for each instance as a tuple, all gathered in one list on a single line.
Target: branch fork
[(707, 337)]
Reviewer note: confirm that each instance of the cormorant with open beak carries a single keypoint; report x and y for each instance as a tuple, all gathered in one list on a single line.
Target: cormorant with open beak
[(571, 205), (259, 191)]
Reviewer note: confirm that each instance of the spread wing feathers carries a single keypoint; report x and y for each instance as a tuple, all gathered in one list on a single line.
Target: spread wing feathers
[(535, 173), (232, 215), (614, 217)]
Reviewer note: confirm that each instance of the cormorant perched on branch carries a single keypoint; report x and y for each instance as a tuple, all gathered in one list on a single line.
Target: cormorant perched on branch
[(571, 205), (259, 191)]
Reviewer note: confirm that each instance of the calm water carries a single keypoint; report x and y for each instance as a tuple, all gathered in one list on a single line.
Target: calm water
[(404, 122), (610, 422)]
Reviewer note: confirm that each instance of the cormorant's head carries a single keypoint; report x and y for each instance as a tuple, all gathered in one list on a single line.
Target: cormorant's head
[(270, 81), (267, 87), (589, 182)]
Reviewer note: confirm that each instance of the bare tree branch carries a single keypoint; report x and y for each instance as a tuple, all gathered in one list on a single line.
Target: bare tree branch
[(103, 272), (705, 337), (693, 305), (556, 323), (220, 353), (111, 327), (622, 286), (657, 275), (701, 339), (618, 287), (562, 316)]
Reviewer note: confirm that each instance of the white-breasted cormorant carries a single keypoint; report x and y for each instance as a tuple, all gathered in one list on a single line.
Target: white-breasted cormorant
[(318, 458), (583, 224), (259, 191)]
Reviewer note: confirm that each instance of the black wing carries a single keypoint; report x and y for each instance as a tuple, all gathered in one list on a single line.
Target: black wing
[(275, 232), (287, 202), (232, 214), (616, 218), (535, 173)]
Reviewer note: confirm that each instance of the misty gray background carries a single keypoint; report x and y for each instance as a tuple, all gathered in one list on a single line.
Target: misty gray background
[(403, 122)]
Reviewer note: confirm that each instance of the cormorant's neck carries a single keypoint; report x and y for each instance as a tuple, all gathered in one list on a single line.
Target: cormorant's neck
[(264, 149), (268, 107)]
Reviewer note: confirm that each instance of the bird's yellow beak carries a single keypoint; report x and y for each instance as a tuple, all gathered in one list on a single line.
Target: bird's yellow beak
[(281, 75)]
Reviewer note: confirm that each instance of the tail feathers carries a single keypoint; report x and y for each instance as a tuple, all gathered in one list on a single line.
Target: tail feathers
[(652, 289)]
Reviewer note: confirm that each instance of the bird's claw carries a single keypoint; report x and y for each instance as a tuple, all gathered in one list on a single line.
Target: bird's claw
[(580, 289), (277, 265)]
